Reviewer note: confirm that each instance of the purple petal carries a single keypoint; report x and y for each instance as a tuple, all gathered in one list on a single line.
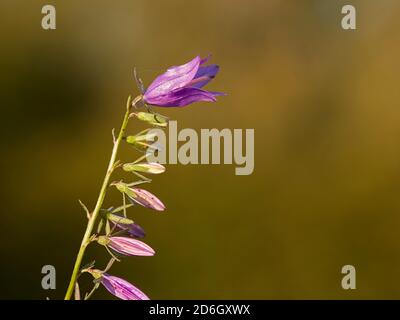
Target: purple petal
[(203, 76), (122, 288), (147, 199), (216, 93), (204, 60), (136, 231), (130, 247), (133, 229), (173, 78), (183, 97)]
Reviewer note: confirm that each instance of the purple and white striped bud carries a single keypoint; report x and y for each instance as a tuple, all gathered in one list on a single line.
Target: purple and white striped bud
[(126, 246), (147, 199), (141, 196), (119, 287)]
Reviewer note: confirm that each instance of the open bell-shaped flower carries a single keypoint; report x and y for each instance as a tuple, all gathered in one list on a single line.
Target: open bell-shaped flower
[(182, 85)]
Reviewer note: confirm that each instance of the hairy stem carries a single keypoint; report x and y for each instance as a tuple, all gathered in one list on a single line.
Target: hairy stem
[(99, 203)]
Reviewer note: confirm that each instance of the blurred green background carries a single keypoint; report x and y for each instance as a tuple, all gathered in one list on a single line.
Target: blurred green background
[(324, 104)]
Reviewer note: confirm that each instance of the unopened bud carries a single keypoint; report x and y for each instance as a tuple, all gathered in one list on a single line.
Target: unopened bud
[(152, 118), (118, 219), (152, 167)]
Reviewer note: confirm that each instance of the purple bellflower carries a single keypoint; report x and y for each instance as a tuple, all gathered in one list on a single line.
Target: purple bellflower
[(182, 85), (177, 87)]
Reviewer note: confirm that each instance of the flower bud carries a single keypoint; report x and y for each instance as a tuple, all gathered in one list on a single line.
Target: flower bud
[(122, 288), (141, 196), (152, 118), (147, 199), (133, 229), (136, 231), (142, 140), (118, 219), (151, 167), (126, 246)]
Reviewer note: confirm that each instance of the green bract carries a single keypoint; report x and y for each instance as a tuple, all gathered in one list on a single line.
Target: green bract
[(123, 187), (153, 118), (154, 168), (121, 208), (118, 219)]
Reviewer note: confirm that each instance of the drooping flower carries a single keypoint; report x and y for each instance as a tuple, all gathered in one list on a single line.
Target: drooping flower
[(181, 85), (122, 288), (126, 246)]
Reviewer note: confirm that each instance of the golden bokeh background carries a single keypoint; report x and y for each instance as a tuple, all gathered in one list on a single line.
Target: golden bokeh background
[(324, 103)]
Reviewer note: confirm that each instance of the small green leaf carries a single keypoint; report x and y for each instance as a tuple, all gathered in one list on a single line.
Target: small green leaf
[(100, 225), (77, 294), (108, 229), (88, 265), (121, 208), (135, 183)]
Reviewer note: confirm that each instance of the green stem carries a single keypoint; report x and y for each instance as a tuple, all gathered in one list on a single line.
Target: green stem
[(99, 203), (88, 295)]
